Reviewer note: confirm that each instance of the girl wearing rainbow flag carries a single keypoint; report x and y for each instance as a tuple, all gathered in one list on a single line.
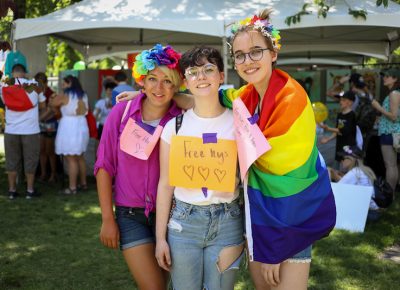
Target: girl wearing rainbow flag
[(289, 200)]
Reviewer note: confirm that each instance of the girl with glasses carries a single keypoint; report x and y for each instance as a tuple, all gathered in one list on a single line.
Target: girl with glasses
[(202, 242), (289, 200), (127, 165)]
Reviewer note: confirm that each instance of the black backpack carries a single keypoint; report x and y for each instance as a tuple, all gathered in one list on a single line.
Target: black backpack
[(383, 193), (365, 115), (178, 123)]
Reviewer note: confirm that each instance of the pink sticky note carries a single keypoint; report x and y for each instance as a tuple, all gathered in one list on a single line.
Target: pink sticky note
[(137, 142), (250, 140)]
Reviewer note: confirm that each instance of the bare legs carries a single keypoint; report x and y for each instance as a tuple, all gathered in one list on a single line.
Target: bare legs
[(390, 160), (47, 153), (292, 276), (82, 171), (76, 165), (144, 267), (12, 181)]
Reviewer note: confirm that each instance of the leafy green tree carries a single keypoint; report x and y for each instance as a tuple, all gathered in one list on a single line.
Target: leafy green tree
[(60, 55), (323, 7)]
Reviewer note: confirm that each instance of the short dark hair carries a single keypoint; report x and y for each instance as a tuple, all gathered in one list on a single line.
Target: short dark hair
[(120, 76), (196, 56), (357, 80), (110, 85), (18, 68), (41, 76), (5, 45)]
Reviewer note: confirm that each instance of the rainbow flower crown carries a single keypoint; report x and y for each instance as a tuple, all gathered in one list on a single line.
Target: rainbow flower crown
[(262, 25), (148, 60)]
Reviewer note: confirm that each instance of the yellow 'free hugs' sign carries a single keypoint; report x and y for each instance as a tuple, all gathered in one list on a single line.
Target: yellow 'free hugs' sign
[(203, 163)]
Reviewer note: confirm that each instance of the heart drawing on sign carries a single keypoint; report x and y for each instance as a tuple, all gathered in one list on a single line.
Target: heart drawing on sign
[(204, 172), (220, 174), (189, 171)]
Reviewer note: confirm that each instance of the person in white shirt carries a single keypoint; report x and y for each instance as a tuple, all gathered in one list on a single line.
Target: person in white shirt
[(22, 138), (204, 242), (103, 107), (353, 171)]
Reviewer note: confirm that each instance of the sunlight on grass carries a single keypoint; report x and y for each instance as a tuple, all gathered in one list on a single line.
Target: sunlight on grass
[(14, 251), (53, 243), (81, 213)]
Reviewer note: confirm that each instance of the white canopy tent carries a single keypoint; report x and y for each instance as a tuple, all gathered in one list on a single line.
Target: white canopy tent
[(100, 28)]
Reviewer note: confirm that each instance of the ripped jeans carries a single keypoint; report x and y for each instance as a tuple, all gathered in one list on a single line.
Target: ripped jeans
[(197, 235)]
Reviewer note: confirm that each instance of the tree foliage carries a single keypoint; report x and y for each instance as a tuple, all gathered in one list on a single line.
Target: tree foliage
[(323, 9), (60, 55)]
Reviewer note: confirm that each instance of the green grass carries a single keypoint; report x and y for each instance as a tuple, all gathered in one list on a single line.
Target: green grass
[(52, 243)]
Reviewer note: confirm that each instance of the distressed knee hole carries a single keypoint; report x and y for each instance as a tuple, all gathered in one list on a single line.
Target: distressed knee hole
[(228, 256)]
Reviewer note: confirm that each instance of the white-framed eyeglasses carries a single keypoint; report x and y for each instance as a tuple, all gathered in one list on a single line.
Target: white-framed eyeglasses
[(255, 55), (208, 70)]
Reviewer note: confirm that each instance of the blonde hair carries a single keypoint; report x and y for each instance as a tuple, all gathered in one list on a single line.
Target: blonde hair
[(173, 75), (367, 170)]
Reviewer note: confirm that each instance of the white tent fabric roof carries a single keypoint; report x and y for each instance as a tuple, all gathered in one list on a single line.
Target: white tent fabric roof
[(105, 27)]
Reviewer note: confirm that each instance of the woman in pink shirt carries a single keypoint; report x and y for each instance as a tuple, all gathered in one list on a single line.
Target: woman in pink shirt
[(127, 166)]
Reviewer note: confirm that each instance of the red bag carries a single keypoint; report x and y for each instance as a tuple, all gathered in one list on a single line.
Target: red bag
[(16, 99), (91, 121)]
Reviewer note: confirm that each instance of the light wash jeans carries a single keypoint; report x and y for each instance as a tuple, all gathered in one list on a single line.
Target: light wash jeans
[(196, 236)]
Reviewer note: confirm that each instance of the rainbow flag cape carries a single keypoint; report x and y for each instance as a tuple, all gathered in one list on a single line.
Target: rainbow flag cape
[(289, 199)]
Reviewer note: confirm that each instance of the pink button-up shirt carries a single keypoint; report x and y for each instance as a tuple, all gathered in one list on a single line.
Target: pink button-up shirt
[(135, 180)]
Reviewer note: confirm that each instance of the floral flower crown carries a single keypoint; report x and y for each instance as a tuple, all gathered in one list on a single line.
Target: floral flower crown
[(148, 60), (262, 25)]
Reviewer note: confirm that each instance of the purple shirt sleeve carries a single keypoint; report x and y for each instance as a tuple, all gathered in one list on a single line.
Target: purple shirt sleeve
[(108, 146)]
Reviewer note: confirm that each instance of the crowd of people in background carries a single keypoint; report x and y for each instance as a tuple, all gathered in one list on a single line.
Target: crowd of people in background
[(52, 129)]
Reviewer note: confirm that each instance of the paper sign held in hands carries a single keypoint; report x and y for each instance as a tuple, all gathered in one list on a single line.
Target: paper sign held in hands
[(250, 140), (137, 142), (194, 163)]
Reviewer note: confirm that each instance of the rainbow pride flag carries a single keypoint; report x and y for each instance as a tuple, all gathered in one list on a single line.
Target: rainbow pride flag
[(289, 199)]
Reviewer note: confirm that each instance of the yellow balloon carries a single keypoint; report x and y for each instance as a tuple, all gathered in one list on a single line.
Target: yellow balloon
[(320, 111)]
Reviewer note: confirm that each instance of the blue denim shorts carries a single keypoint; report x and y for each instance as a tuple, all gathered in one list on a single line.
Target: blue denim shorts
[(301, 257), (386, 139), (134, 227)]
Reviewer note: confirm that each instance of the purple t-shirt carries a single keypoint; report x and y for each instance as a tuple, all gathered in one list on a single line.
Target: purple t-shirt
[(135, 180)]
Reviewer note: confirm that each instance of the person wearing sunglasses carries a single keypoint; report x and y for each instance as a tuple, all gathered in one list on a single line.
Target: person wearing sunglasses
[(202, 242), (127, 165), (389, 124)]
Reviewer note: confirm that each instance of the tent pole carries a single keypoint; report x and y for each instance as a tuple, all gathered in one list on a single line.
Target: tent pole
[(86, 56), (13, 41), (225, 55)]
